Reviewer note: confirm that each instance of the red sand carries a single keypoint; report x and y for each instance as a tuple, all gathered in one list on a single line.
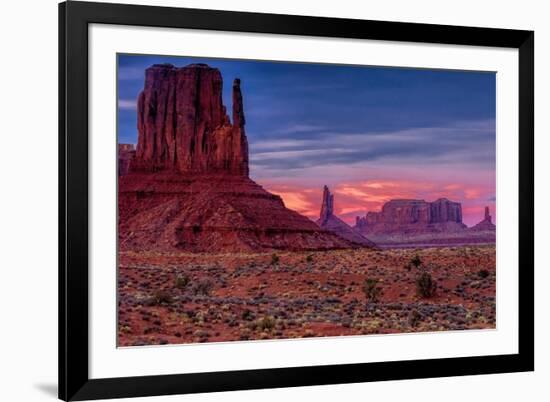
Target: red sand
[(252, 296)]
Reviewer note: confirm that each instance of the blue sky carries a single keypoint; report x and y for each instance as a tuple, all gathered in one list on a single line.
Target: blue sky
[(313, 124)]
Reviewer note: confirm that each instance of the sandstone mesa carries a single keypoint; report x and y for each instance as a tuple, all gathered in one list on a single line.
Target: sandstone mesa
[(413, 216), (406, 222)]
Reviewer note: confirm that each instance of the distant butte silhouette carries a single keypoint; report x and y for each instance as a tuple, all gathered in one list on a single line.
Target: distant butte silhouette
[(486, 224), (413, 216), (417, 223), (327, 220)]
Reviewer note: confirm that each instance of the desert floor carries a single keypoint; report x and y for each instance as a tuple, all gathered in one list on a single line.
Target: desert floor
[(168, 298)]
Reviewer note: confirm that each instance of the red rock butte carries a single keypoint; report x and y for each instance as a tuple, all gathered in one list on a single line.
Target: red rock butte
[(187, 188), (183, 125), (413, 216)]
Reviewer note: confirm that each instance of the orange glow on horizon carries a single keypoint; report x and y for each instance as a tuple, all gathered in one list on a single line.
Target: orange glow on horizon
[(353, 199)]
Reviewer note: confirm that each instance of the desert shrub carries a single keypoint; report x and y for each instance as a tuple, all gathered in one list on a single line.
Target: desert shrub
[(483, 273), (416, 261), (371, 290), (415, 318), (309, 258), (203, 287), (425, 285), (247, 315), (266, 323), (182, 281), (161, 297), (274, 259)]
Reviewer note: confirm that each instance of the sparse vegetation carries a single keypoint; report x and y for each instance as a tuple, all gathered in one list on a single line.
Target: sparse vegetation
[(247, 315), (483, 273), (203, 287), (266, 323), (371, 290), (416, 261), (425, 285), (181, 281), (162, 297), (415, 318)]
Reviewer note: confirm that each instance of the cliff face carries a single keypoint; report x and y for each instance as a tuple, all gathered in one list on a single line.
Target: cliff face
[(188, 188), (413, 216), (328, 221), (183, 125), (443, 210)]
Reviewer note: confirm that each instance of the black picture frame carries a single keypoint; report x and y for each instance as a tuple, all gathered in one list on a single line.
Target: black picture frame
[(74, 381)]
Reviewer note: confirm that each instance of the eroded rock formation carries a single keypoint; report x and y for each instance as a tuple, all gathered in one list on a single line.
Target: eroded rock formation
[(486, 224), (328, 221), (183, 124), (188, 187), (327, 206), (411, 216)]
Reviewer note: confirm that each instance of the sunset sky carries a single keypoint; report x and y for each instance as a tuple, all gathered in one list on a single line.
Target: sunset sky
[(370, 133)]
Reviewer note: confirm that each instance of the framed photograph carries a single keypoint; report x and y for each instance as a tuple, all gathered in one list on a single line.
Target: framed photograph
[(258, 201)]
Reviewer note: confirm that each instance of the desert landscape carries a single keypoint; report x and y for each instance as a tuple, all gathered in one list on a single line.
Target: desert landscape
[(207, 254), (187, 297)]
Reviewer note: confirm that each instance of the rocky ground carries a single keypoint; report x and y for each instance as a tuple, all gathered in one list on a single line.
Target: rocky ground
[(168, 298)]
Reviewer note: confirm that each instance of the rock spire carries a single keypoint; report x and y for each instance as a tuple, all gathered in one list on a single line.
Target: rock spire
[(487, 217), (327, 206), (330, 222), (486, 224)]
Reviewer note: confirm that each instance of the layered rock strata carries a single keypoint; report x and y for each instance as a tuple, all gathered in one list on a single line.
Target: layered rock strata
[(413, 216)]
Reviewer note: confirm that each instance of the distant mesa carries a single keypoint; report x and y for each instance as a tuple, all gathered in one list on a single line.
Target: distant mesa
[(413, 216), (420, 223), (486, 223), (187, 186), (328, 221)]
